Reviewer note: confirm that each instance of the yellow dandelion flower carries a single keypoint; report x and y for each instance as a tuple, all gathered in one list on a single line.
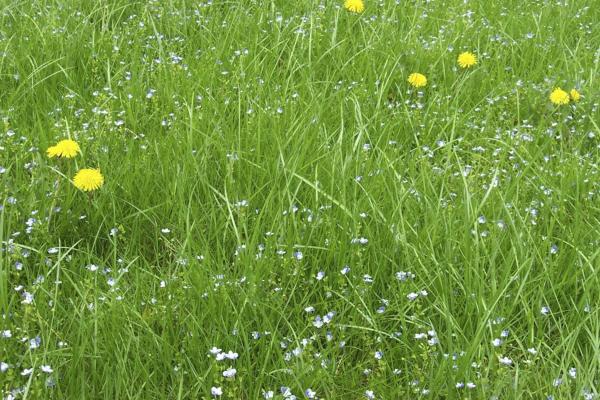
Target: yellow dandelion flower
[(559, 97), (417, 80), (88, 179), (355, 6), (575, 96), (52, 151), (467, 59), (64, 149)]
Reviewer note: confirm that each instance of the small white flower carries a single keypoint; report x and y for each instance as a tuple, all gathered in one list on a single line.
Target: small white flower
[(3, 366), (92, 267), (557, 382), (318, 322), (433, 341), (27, 298), (229, 372), (505, 361), (216, 391), (35, 342), (545, 310), (27, 372), (47, 369)]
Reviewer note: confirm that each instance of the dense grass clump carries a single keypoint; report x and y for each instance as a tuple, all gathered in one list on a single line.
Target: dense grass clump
[(311, 199)]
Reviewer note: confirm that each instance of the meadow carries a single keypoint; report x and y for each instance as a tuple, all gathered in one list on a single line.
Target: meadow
[(313, 199)]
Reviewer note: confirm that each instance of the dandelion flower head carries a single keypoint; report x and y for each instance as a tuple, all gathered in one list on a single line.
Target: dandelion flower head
[(417, 80), (64, 149), (575, 95), (356, 6), (467, 59), (88, 179), (559, 97)]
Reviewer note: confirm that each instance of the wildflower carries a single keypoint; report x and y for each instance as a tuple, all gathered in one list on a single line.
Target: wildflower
[(216, 391), (35, 343), (505, 361), (467, 59), (574, 94), (559, 97), (355, 6), (47, 369), (318, 322), (88, 179), (545, 310), (27, 298), (64, 149), (417, 80), (557, 382), (229, 372)]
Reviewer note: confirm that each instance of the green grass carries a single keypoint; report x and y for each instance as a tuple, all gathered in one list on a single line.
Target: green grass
[(236, 135)]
